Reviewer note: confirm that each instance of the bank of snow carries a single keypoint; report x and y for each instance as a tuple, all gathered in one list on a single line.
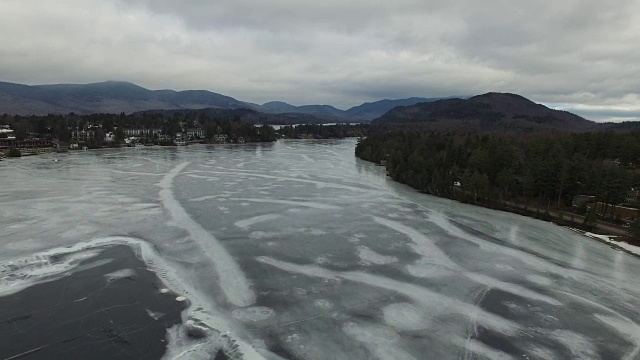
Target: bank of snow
[(608, 239)]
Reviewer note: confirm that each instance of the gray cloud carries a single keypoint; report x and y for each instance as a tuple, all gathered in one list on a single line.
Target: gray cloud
[(582, 54)]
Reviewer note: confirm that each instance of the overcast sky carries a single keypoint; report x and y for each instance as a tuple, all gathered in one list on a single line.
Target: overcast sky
[(581, 55)]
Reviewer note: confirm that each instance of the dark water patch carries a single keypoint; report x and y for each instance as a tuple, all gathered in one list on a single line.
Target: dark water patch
[(533, 343), (273, 298), (221, 356), (275, 345), (365, 314), (84, 316), (18, 318), (474, 232), (279, 350), (498, 341)]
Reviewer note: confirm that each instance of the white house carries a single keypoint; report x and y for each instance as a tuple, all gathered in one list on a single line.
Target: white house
[(220, 138), (6, 132), (138, 132), (82, 135), (195, 133)]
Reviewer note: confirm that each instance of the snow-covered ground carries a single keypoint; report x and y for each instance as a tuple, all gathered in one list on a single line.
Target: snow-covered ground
[(297, 249), (610, 239)]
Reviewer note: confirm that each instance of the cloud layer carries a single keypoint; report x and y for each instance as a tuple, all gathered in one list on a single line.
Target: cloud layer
[(579, 55)]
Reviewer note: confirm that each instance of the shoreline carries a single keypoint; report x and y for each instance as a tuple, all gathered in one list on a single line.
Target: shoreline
[(154, 146), (53, 151), (607, 240), (542, 216)]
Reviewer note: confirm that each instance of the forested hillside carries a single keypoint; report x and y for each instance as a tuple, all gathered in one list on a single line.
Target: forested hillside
[(491, 113), (546, 171)]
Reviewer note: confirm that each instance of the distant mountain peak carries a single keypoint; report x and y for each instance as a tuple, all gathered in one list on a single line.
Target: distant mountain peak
[(112, 82), (498, 96), (276, 102)]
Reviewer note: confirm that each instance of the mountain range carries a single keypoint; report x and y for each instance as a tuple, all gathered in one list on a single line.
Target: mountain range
[(490, 112), (117, 97)]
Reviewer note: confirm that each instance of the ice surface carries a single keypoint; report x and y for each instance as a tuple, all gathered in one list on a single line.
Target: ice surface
[(21, 273), (423, 245), (512, 288), (484, 351), (432, 303), (634, 249), (255, 313), (369, 256), (610, 239), (314, 205), (381, 341), (155, 315), (246, 223), (405, 316), (628, 329), (231, 278), (579, 345), (120, 274), (278, 256)]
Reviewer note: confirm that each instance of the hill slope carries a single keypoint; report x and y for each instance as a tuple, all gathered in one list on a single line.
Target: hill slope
[(485, 113)]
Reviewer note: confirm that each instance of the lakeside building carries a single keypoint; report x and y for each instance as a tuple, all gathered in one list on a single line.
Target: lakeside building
[(195, 133), (619, 212), (63, 147), (109, 137), (220, 138), (633, 197), (26, 147), (6, 132), (82, 135), (180, 140), (137, 132), (6, 144), (580, 200)]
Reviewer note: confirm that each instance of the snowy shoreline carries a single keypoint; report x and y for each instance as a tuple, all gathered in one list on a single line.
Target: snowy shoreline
[(607, 239)]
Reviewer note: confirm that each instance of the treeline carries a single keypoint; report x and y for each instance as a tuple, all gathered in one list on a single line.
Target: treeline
[(336, 131), (59, 127), (50, 126), (546, 170), (236, 129)]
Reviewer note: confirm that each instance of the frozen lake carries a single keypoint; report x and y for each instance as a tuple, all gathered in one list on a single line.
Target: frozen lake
[(299, 250)]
